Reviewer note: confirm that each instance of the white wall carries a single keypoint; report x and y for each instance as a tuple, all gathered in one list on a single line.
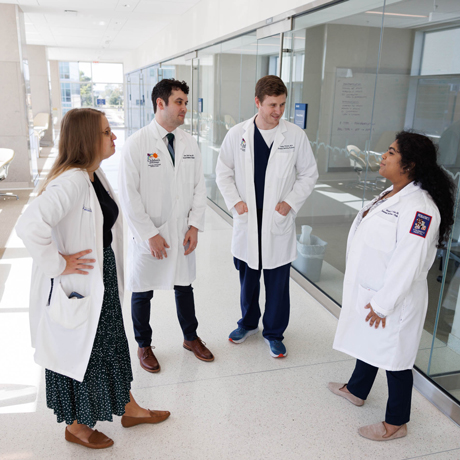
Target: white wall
[(207, 20)]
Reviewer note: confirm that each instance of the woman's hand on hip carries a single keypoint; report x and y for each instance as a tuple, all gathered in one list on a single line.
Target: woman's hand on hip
[(373, 318), (75, 265)]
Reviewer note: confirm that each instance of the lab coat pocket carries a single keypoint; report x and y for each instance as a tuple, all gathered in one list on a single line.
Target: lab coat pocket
[(365, 295), (282, 224), (144, 247), (284, 162), (240, 218), (381, 235), (68, 313)]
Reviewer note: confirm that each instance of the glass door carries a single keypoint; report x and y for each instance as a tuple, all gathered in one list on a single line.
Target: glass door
[(268, 55), (150, 79), (135, 101)]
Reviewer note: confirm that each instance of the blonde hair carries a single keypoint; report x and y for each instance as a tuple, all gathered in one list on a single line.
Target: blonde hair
[(79, 143)]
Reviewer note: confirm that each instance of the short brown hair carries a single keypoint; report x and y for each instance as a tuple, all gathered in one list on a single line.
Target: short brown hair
[(271, 85), (80, 142)]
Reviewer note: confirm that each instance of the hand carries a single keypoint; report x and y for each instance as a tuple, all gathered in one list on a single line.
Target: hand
[(191, 237), (74, 265), (241, 207), (283, 208), (374, 318), (158, 245)]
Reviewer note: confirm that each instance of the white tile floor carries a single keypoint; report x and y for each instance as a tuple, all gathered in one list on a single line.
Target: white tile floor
[(244, 405)]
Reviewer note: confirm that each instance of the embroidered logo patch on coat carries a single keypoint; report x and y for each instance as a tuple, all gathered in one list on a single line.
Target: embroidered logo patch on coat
[(153, 160), (421, 224)]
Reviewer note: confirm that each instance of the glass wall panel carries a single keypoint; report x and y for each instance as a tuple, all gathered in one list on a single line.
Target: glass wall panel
[(330, 64), (180, 69), (150, 79), (418, 88), (135, 101), (226, 76)]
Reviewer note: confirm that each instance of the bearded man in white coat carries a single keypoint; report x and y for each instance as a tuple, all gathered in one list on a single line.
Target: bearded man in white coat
[(163, 196), (265, 172)]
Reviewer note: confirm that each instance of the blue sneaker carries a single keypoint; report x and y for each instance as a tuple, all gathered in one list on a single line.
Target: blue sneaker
[(277, 349), (240, 334)]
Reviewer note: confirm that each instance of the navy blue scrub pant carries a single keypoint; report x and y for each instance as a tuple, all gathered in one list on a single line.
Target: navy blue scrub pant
[(140, 312), (277, 303), (399, 390)]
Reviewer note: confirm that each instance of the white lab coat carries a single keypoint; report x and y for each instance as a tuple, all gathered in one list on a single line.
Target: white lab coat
[(291, 175), (67, 218), (157, 197), (387, 265)]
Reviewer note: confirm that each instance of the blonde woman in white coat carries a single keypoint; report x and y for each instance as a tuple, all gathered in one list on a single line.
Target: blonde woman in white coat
[(391, 247), (73, 231)]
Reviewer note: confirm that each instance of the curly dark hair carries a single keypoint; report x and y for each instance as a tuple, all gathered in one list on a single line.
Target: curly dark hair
[(419, 154), (164, 89)]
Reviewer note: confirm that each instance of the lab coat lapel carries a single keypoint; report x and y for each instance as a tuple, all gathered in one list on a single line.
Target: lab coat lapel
[(279, 138), (160, 145), (248, 141), (179, 148), (409, 188), (98, 222)]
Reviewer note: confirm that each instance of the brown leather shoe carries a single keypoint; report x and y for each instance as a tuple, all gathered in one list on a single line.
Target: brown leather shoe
[(97, 440), (156, 416), (199, 349), (148, 360)]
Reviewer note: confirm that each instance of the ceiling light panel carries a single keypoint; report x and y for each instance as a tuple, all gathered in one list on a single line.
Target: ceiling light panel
[(163, 7), (79, 5)]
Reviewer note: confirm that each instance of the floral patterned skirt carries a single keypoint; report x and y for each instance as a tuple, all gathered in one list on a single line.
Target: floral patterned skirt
[(107, 382)]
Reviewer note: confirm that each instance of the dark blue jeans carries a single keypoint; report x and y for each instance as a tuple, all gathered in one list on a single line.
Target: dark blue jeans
[(399, 390), (140, 312)]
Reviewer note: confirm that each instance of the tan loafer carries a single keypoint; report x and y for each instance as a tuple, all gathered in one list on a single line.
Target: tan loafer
[(156, 416), (147, 359), (197, 346), (336, 389), (97, 440), (377, 431)]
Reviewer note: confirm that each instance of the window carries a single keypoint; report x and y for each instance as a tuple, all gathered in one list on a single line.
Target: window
[(441, 53), (97, 85)]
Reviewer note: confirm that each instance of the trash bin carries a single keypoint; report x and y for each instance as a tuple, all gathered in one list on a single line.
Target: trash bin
[(310, 257)]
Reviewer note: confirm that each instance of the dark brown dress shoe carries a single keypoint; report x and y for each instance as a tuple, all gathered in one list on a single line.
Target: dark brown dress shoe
[(156, 416), (97, 440), (199, 349), (148, 360)]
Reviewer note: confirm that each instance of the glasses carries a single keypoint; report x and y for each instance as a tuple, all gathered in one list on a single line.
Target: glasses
[(108, 132)]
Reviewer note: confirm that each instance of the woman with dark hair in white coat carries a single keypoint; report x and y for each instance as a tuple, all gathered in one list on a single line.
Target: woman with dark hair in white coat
[(391, 247), (73, 231)]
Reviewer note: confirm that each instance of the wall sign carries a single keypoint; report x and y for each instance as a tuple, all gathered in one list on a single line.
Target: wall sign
[(300, 115)]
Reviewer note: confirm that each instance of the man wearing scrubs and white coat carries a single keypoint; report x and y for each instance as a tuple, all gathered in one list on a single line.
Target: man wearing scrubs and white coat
[(163, 196), (265, 172)]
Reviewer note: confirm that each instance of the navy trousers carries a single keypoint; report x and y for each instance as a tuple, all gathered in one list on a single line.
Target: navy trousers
[(277, 306), (140, 312), (399, 390)]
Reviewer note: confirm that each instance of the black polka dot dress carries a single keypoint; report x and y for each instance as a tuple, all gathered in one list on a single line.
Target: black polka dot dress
[(104, 391)]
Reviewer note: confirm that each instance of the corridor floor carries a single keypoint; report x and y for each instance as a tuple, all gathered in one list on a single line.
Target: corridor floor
[(243, 406)]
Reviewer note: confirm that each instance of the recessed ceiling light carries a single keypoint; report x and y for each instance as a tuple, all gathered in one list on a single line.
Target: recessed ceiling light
[(397, 14), (102, 23)]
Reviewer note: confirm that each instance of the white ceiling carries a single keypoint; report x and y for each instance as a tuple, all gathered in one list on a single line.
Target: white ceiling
[(100, 30)]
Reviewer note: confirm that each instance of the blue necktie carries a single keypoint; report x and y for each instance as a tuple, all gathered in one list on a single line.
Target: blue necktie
[(170, 137)]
